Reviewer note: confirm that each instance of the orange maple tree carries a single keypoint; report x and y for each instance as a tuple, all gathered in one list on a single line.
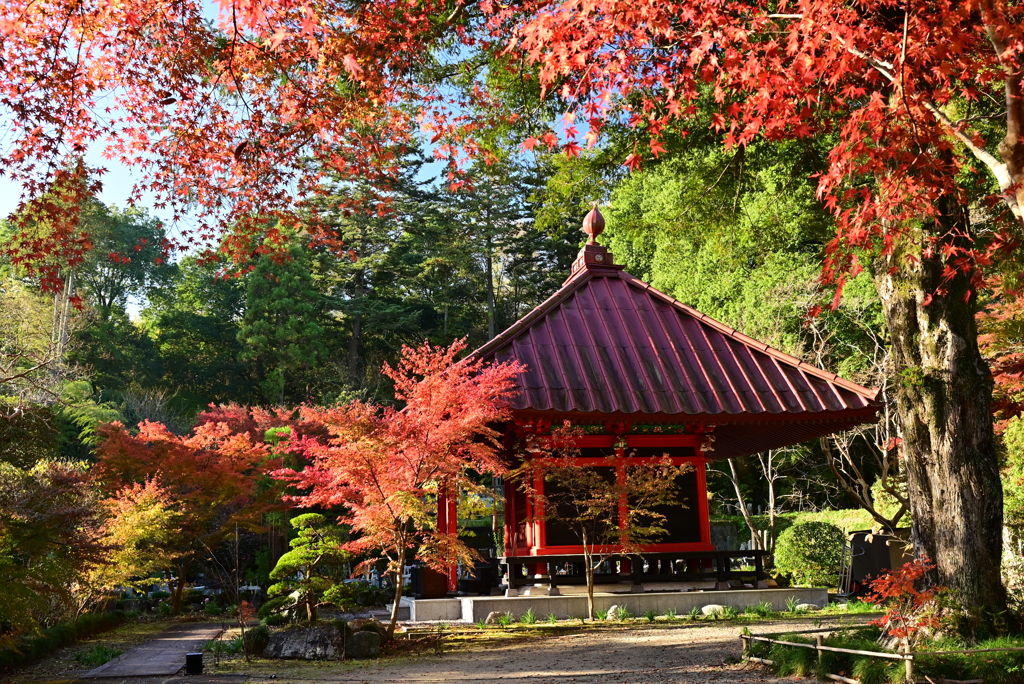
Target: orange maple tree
[(384, 466), (212, 475)]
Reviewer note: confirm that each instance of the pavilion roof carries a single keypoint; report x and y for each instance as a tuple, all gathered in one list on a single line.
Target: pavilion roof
[(607, 346)]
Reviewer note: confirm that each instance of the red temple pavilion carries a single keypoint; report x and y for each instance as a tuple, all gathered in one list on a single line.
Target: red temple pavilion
[(647, 376)]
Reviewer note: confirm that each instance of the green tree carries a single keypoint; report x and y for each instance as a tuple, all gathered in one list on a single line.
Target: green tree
[(408, 274), (314, 565), (194, 322), (280, 331), (116, 353), (126, 259), (737, 235)]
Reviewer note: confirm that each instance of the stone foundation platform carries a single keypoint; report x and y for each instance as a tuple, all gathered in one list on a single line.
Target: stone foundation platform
[(471, 609)]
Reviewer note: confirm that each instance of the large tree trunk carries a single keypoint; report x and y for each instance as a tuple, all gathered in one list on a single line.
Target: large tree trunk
[(943, 397)]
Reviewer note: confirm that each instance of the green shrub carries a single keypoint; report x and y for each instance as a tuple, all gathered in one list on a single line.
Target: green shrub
[(729, 613), (811, 553), (871, 670), (552, 619), (97, 655), (505, 619), (34, 647), (695, 613), (61, 635), (275, 619), (670, 614), (529, 617), (256, 639), (792, 660), (164, 609), (160, 595), (481, 624), (650, 615), (212, 609), (94, 623), (762, 609)]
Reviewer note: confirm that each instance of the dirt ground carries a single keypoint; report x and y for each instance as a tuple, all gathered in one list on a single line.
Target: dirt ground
[(629, 656), (683, 654), (637, 653)]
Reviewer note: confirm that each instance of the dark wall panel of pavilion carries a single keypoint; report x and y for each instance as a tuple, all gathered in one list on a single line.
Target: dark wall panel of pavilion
[(682, 524), (559, 533)]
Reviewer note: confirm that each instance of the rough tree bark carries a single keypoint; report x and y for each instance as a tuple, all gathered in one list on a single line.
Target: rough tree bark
[(943, 397)]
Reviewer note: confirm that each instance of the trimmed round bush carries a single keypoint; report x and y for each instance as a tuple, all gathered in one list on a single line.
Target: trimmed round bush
[(811, 553)]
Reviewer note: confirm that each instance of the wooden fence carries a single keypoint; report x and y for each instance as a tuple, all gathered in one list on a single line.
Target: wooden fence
[(907, 658)]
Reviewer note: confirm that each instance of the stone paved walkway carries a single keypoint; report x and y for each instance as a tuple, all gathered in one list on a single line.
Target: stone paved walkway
[(163, 655)]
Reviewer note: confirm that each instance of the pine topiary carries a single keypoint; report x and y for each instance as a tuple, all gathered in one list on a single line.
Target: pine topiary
[(811, 553)]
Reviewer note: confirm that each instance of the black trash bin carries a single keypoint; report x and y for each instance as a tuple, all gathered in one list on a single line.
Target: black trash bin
[(193, 663)]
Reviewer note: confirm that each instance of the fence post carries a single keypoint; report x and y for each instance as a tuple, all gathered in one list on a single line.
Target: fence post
[(909, 661), (818, 642)]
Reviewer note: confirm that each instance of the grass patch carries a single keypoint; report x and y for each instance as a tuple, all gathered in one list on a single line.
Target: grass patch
[(97, 655), (850, 608), (762, 609)]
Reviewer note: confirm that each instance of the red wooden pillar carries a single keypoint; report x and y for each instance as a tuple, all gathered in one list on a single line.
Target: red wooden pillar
[(448, 523), (510, 518)]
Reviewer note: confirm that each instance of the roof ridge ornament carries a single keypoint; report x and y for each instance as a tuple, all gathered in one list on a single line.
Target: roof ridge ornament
[(594, 257), (593, 224)]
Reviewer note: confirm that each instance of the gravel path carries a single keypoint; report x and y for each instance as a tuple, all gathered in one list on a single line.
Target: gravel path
[(631, 656)]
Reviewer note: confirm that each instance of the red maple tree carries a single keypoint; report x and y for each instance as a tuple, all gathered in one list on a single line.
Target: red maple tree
[(212, 474), (910, 607), (384, 466)]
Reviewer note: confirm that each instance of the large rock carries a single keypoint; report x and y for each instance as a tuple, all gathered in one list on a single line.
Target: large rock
[(713, 609), (615, 613), (363, 645), (303, 643), (492, 618), (808, 607)]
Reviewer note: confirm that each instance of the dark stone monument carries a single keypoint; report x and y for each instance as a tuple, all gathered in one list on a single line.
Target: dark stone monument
[(362, 645)]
